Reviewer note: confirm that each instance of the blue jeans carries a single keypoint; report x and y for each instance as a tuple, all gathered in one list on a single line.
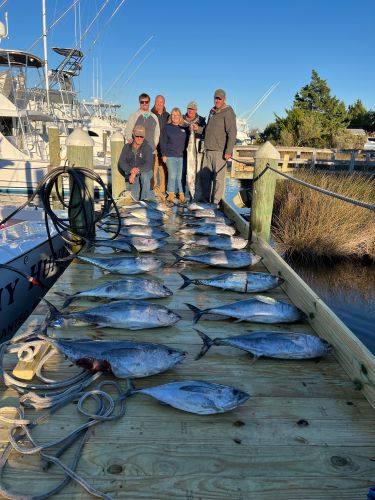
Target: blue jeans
[(174, 166), (141, 188)]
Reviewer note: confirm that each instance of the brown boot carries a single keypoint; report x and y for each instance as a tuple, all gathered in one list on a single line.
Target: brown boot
[(181, 197), (171, 197)]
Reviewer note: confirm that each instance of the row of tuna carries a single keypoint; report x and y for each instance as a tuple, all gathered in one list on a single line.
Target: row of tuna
[(138, 230)]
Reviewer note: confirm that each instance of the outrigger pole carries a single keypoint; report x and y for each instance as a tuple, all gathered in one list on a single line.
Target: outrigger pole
[(46, 76)]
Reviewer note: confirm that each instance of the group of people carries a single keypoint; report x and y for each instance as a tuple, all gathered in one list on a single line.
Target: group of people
[(153, 159)]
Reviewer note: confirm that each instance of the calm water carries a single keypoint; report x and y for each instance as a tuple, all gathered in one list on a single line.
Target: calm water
[(347, 288)]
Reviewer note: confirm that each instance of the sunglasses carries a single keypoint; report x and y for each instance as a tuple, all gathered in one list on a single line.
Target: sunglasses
[(219, 98), (139, 136), (144, 102)]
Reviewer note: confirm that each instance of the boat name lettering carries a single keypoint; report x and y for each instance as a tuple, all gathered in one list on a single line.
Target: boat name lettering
[(10, 288)]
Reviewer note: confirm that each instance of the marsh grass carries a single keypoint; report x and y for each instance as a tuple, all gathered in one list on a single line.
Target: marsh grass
[(314, 226)]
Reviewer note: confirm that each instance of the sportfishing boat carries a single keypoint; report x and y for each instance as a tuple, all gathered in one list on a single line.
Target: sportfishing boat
[(28, 266)]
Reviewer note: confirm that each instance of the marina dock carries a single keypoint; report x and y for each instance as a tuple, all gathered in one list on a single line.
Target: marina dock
[(307, 430)]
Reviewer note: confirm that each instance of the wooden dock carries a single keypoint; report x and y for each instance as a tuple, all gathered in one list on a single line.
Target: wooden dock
[(307, 430)]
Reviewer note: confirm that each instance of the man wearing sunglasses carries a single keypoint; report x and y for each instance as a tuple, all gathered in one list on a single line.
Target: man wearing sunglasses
[(143, 116), (219, 140), (136, 164)]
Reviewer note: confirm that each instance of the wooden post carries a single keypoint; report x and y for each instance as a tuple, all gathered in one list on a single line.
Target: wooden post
[(80, 149), (118, 180), (264, 190), (104, 139), (313, 159), (54, 159), (352, 161)]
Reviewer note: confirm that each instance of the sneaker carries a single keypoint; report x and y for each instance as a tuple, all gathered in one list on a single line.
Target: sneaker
[(171, 197), (181, 197)]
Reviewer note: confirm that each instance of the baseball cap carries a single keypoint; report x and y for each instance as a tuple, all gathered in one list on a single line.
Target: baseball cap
[(220, 93), (139, 130), (192, 105)]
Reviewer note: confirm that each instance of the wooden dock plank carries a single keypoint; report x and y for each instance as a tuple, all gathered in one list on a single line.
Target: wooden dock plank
[(306, 431)]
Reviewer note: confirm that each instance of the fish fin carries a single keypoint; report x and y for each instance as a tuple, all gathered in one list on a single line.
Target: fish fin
[(197, 312), (68, 298), (177, 257), (207, 343), (187, 281)]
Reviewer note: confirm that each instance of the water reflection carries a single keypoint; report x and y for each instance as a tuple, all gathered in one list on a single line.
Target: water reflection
[(347, 288)]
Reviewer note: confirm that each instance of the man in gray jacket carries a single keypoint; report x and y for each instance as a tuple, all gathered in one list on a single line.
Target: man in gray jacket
[(219, 140)]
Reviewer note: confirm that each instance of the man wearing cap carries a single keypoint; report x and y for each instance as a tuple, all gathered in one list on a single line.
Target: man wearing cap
[(219, 140), (136, 164), (191, 117), (196, 124)]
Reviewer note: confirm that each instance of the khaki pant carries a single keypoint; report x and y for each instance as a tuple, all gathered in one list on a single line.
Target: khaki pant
[(160, 174)]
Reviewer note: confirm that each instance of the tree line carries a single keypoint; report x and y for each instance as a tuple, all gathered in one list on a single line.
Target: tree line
[(318, 119)]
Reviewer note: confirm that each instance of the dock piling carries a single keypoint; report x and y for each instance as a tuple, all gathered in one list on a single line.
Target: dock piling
[(118, 181), (54, 159), (263, 190), (80, 149)]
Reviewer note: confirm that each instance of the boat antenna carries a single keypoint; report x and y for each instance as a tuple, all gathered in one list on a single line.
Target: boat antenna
[(129, 62), (249, 114), (4, 28), (46, 75), (137, 68)]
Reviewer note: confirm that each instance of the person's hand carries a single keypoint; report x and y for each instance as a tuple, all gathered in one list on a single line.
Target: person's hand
[(194, 127), (131, 178), (164, 158), (227, 156), (135, 171), (130, 140)]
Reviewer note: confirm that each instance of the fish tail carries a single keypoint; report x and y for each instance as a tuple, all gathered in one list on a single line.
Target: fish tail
[(178, 258), (197, 312), (131, 389), (207, 343), (187, 281), (68, 298), (53, 312)]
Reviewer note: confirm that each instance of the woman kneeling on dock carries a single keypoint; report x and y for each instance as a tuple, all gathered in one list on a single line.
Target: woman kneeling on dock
[(136, 165)]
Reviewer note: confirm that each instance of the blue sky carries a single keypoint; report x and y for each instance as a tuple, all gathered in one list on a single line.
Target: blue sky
[(197, 46)]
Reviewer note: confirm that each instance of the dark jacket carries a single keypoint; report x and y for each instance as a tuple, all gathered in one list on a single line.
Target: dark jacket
[(142, 158), (221, 130), (199, 120), (173, 140), (162, 118)]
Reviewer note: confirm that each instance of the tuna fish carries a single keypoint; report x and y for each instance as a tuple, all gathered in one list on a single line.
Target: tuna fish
[(208, 230), (206, 213), (128, 288), (143, 213), (221, 242), (282, 345), (117, 244), (220, 219), (129, 314), (240, 281), (258, 309), (145, 244), (123, 265), (196, 396), (125, 359), (201, 206), (192, 160), (229, 259), (136, 221), (140, 231)]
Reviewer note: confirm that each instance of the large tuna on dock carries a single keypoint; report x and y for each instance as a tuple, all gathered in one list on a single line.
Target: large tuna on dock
[(229, 259), (240, 281), (125, 359), (128, 288), (258, 309), (281, 345), (196, 396), (220, 242), (123, 265), (129, 314), (208, 229), (140, 231)]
